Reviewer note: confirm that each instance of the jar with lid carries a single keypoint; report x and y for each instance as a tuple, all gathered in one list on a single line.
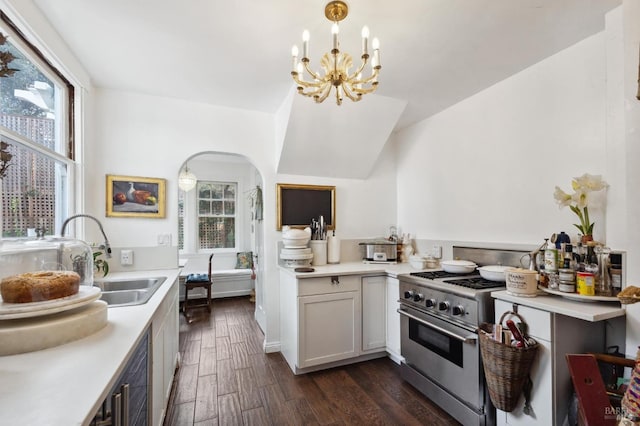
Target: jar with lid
[(21, 255), (615, 273)]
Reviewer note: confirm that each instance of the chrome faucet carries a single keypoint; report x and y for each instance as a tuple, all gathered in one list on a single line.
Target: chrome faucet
[(106, 246)]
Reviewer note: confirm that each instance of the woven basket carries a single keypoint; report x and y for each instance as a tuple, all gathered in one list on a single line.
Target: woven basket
[(506, 367)]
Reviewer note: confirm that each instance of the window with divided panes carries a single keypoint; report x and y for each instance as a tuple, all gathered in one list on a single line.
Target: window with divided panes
[(216, 204)]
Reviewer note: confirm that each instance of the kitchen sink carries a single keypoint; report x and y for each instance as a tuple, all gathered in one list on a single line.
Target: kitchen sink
[(129, 284), (128, 292)]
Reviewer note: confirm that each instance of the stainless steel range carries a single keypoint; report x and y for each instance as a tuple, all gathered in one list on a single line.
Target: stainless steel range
[(440, 313)]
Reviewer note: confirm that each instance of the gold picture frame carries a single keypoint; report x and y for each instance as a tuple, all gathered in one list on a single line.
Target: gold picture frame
[(297, 204), (134, 196)]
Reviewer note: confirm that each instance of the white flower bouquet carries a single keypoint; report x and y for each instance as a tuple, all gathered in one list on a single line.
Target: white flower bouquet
[(578, 202)]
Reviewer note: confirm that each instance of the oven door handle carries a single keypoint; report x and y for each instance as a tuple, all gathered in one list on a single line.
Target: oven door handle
[(469, 339)]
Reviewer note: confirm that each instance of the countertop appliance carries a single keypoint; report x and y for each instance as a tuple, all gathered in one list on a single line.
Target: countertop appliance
[(440, 313), (379, 251)]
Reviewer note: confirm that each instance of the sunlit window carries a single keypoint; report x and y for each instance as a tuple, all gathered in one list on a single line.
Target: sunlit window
[(36, 125), (216, 214)]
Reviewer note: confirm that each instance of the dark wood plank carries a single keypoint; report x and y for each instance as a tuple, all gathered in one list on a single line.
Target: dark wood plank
[(208, 422), (222, 329), (207, 398), (279, 412), (209, 337), (182, 414), (191, 353), (255, 417), (248, 393), (236, 333), (226, 374), (240, 355), (229, 409), (387, 374), (346, 397), (207, 361), (223, 348), (264, 375), (187, 383)]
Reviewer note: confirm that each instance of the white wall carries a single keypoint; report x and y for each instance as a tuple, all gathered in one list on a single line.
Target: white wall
[(485, 169)]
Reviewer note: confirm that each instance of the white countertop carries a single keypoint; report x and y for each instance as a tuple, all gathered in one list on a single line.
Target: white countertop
[(355, 268), (65, 385), (588, 311)]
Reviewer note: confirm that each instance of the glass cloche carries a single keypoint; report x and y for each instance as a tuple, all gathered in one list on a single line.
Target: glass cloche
[(20, 255)]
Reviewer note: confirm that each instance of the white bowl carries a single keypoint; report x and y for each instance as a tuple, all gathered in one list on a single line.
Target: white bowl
[(458, 266), (297, 233), (417, 262), (296, 242), (493, 272)]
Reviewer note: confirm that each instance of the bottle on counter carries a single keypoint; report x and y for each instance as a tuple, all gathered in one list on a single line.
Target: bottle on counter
[(603, 285), (551, 258)]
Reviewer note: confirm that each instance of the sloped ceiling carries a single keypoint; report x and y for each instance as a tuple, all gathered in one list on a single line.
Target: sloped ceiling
[(337, 141), (434, 53)]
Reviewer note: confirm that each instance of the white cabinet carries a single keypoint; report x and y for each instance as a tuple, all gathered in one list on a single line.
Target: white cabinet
[(374, 313), (320, 320), (393, 320), (329, 327), (557, 335), (164, 346)]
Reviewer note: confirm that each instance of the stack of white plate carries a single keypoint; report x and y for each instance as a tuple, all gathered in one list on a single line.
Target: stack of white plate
[(296, 252), (293, 257)]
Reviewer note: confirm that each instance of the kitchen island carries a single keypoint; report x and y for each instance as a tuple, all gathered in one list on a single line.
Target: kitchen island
[(66, 385)]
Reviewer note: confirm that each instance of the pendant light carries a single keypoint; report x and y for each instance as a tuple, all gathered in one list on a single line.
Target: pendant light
[(187, 180)]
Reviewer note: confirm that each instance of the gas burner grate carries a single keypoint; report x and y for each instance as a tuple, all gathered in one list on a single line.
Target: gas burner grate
[(434, 275), (475, 283)]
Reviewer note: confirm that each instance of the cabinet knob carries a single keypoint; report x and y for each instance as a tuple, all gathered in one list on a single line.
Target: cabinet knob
[(335, 280)]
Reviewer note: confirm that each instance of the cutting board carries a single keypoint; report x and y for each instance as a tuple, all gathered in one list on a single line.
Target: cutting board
[(19, 336)]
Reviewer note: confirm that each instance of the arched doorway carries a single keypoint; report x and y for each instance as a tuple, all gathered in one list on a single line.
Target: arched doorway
[(222, 214)]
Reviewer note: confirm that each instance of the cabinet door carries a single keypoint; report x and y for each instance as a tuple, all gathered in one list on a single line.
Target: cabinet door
[(393, 320), (329, 327), (374, 318)]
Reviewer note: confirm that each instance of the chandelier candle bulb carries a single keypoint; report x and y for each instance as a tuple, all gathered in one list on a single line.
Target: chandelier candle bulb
[(375, 63), (365, 41), (305, 44), (294, 54)]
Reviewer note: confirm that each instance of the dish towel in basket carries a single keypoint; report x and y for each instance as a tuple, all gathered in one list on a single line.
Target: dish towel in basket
[(506, 367)]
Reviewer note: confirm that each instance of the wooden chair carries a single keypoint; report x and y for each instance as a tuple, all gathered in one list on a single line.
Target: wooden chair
[(597, 406), (192, 282)]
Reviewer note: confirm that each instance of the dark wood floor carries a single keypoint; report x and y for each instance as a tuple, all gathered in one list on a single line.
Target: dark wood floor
[(226, 379)]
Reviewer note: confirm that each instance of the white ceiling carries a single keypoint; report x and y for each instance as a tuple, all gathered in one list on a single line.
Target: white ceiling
[(434, 53)]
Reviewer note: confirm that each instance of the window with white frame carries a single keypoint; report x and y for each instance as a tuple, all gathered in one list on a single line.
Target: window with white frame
[(36, 134), (216, 203)]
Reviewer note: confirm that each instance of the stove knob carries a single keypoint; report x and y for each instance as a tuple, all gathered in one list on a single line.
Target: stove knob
[(431, 303), (443, 306), (418, 297), (408, 294), (458, 310)]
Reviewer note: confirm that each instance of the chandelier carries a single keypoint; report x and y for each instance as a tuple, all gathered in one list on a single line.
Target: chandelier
[(336, 65)]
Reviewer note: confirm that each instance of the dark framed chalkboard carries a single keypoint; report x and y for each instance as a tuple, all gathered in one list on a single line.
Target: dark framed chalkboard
[(298, 204)]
